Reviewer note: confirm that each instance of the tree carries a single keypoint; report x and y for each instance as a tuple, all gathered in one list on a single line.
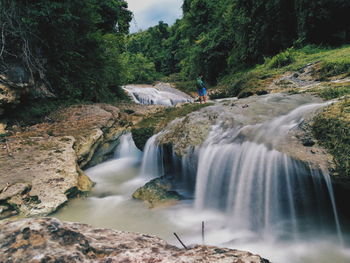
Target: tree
[(66, 44)]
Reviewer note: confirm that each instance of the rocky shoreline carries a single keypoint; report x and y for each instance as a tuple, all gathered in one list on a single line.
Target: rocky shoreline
[(40, 166), (50, 240)]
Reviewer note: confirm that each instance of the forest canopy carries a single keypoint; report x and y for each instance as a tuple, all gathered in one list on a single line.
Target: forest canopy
[(82, 49), (70, 48), (216, 37)]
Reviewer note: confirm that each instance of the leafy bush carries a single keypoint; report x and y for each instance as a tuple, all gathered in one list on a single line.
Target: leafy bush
[(330, 69), (138, 69), (282, 59)]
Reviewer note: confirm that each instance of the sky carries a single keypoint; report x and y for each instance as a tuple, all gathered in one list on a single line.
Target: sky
[(148, 13)]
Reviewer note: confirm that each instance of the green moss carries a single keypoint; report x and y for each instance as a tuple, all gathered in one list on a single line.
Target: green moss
[(332, 130), (157, 192)]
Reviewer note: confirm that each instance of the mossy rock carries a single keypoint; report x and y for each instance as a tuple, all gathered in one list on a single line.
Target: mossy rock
[(157, 193)]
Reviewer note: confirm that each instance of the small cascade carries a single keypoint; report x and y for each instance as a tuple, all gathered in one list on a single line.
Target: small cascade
[(152, 162), (126, 156), (149, 95), (127, 148)]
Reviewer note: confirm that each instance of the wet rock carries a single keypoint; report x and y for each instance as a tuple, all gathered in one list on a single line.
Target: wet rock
[(189, 133), (308, 142), (157, 193), (12, 190), (49, 240)]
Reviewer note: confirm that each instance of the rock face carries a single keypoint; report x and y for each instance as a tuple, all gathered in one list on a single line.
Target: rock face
[(40, 175), (49, 240), (15, 84), (40, 166), (157, 193), (8, 96)]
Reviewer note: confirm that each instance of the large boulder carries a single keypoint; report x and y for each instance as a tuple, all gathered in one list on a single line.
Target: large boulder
[(157, 193), (49, 240)]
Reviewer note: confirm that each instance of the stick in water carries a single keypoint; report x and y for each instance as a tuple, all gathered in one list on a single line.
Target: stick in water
[(180, 240), (203, 233)]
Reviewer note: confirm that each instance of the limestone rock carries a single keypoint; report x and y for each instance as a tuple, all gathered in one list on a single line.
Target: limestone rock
[(40, 166), (157, 193), (189, 133), (2, 127), (41, 173), (49, 240)]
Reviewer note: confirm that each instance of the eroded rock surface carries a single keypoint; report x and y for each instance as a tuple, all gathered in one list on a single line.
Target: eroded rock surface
[(250, 119), (49, 240)]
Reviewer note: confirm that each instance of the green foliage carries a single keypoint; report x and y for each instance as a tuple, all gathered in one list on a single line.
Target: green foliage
[(282, 59), (330, 69), (35, 112), (141, 136), (73, 47), (138, 69), (255, 79), (215, 38), (333, 132)]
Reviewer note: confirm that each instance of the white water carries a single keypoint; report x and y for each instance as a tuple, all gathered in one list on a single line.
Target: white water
[(251, 196), (152, 162), (160, 95), (261, 189)]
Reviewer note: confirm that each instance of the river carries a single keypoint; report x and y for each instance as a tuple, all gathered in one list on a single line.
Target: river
[(250, 195)]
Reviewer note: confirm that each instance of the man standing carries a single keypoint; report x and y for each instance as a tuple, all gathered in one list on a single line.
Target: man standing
[(202, 90)]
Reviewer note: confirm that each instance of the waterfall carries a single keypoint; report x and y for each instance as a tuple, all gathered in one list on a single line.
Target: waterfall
[(260, 188), (152, 162), (127, 148), (156, 96), (240, 172)]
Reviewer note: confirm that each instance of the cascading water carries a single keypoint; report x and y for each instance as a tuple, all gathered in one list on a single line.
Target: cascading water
[(259, 188), (152, 162), (159, 95), (251, 194), (241, 172)]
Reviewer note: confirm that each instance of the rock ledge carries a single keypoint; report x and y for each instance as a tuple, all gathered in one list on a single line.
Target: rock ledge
[(49, 240)]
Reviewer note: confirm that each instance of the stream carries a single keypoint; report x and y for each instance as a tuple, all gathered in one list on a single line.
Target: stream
[(250, 195)]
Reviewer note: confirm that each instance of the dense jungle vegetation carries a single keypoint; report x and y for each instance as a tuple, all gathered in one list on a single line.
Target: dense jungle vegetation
[(81, 50), (71, 49), (220, 37)]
